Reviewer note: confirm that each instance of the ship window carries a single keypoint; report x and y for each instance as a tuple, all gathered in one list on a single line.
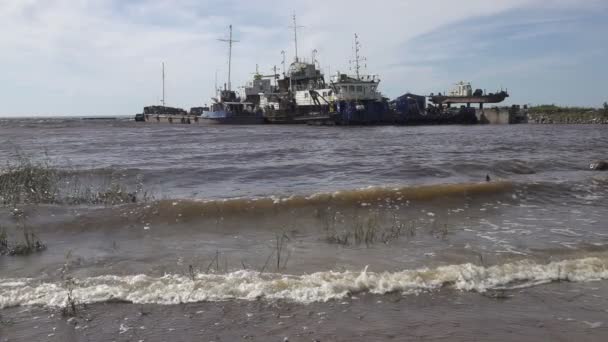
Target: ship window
[(305, 95), (351, 88), (324, 93), (344, 89), (359, 89)]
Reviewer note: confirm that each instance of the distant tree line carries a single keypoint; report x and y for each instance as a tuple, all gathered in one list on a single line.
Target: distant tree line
[(552, 108)]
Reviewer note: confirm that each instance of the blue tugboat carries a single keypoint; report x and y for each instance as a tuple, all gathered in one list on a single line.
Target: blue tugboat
[(228, 109)]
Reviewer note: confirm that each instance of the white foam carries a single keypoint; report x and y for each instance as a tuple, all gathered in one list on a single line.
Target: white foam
[(317, 287)]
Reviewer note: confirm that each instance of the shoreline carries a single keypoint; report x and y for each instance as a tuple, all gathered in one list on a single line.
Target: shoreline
[(566, 116), (563, 310)]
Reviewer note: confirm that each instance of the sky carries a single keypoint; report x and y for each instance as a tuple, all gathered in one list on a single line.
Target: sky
[(103, 57)]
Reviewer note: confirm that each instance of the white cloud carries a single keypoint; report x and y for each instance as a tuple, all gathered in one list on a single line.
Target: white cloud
[(103, 57)]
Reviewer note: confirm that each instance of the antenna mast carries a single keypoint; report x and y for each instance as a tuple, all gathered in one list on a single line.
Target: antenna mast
[(230, 41), (163, 99), (283, 62), (215, 90), (295, 28), (358, 58)]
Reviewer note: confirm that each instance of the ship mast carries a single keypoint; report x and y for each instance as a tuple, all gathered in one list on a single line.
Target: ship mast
[(215, 90), (283, 62), (230, 41), (358, 58), (295, 28), (163, 74)]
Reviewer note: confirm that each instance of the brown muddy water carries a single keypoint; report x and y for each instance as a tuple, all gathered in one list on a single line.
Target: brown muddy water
[(267, 233)]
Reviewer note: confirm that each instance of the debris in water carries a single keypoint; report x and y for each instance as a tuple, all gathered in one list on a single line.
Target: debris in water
[(593, 325), (123, 329)]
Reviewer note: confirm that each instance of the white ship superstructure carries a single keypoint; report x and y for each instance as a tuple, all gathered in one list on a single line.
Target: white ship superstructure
[(462, 89)]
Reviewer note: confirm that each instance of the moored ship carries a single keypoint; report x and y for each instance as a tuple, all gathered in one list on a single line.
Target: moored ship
[(228, 108), (463, 93), (303, 96)]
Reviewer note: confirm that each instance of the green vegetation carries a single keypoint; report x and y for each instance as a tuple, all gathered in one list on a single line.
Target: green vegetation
[(567, 115), (30, 243), (69, 309), (26, 182), (367, 232), (550, 109), (281, 241)]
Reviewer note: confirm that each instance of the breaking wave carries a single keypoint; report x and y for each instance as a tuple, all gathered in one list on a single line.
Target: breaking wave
[(346, 197), (317, 287)]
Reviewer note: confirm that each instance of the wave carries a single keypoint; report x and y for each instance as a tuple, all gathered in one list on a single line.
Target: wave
[(317, 287), (365, 196)]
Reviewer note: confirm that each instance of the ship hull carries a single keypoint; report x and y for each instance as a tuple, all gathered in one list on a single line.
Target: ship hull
[(224, 117), (169, 118), (233, 120), (492, 98)]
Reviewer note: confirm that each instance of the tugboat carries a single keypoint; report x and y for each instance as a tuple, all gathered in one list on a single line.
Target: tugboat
[(228, 109), (358, 101), (303, 96), (352, 99)]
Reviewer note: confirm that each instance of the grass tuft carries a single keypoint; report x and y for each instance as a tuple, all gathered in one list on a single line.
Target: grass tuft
[(367, 232)]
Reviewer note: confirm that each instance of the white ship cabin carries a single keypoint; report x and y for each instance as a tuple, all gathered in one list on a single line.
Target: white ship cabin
[(258, 86), (305, 98), (364, 87), (235, 108), (462, 89), (270, 101)]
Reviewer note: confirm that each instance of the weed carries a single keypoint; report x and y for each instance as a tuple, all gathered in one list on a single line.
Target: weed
[(25, 180), (394, 232), (30, 244), (3, 241), (281, 241), (368, 231), (28, 181), (70, 307), (339, 238)]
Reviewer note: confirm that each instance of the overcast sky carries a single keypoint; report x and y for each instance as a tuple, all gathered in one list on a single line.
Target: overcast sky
[(103, 57)]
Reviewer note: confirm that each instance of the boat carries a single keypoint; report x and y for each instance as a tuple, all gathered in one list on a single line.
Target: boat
[(463, 93), (349, 99), (166, 114), (228, 107), (303, 96)]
